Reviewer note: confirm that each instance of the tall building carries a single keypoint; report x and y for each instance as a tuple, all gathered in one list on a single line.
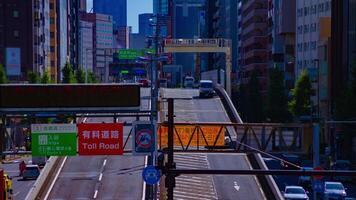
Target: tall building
[(86, 46), (164, 8), (24, 37), (309, 14), (102, 43), (62, 36), (73, 14), (83, 5), (53, 55), (144, 24), (116, 8), (137, 41), (282, 20), (254, 41), (122, 37), (188, 24)]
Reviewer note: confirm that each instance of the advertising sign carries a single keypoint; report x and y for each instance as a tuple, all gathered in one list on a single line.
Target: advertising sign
[(13, 61), (185, 135), (100, 139), (54, 139), (144, 141)]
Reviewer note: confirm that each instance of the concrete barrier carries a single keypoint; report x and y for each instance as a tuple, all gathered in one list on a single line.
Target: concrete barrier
[(228, 105), (43, 182), (268, 185)]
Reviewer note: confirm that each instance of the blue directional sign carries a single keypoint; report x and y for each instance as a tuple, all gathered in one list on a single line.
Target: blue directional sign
[(318, 186), (151, 175), (144, 140)]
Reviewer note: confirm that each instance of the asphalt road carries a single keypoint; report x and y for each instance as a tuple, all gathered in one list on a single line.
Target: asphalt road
[(103, 177), (20, 187), (189, 108)]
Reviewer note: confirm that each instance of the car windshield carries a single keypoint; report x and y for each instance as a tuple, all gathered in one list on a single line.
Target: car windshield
[(334, 186), (163, 81), (189, 79), (295, 191), (206, 85)]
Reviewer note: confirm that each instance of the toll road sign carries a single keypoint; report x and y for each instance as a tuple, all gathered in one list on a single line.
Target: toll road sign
[(318, 186), (144, 140), (54, 139), (100, 139), (151, 175)]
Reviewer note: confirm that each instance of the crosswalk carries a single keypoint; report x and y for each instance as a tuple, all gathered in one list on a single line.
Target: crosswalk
[(193, 187)]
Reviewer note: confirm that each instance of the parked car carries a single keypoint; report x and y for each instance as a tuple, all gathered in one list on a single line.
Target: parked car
[(342, 165), (306, 181), (31, 172), (206, 88), (189, 82), (295, 192), (334, 190)]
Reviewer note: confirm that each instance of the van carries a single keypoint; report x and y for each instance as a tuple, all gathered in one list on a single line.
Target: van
[(206, 88), (188, 82)]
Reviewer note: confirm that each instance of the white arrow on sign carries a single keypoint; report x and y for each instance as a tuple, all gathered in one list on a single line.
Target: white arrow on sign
[(237, 187)]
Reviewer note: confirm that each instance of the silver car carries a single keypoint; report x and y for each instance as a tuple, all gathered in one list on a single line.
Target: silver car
[(334, 190), (295, 192)]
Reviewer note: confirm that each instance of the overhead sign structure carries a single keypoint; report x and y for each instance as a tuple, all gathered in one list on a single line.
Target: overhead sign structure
[(54, 139), (186, 134), (69, 97), (144, 140), (100, 139), (132, 54), (151, 175)]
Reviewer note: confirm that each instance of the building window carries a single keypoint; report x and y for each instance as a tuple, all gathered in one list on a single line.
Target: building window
[(51, 20), (327, 6), (16, 33), (306, 28), (52, 63), (52, 35), (51, 6), (321, 7), (313, 45), (15, 14), (306, 11), (52, 49), (306, 46)]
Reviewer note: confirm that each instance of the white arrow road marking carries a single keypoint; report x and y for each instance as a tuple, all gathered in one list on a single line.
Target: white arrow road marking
[(237, 187)]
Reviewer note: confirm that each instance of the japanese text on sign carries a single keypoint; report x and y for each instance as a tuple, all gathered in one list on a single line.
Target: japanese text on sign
[(210, 133), (100, 139)]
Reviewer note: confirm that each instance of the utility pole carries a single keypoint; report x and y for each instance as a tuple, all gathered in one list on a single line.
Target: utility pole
[(170, 180)]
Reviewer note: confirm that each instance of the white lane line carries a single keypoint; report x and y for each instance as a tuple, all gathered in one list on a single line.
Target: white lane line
[(101, 176), (17, 193), (95, 194), (144, 184), (55, 178), (104, 163), (237, 187)]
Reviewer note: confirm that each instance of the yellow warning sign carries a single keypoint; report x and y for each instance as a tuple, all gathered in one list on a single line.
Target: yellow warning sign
[(196, 135)]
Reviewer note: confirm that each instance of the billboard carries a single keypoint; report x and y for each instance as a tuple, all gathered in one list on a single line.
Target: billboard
[(13, 61), (54, 139), (100, 139), (187, 133)]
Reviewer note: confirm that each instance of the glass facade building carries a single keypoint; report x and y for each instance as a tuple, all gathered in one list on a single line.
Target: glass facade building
[(115, 8)]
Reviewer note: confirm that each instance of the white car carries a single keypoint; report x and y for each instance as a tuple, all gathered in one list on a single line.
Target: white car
[(295, 192), (334, 190), (206, 88)]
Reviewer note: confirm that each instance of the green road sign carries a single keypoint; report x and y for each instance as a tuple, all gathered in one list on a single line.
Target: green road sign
[(131, 54), (54, 139)]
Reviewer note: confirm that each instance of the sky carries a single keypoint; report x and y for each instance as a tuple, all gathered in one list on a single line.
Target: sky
[(134, 8)]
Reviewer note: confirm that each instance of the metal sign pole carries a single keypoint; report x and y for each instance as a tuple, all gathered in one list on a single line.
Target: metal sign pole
[(170, 181)]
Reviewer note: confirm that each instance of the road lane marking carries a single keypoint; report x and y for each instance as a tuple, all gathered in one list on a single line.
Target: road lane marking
[(237, 187), (55, 178), (95, 194), (104, 163), (17, 193), (101, 176), (144, 184)]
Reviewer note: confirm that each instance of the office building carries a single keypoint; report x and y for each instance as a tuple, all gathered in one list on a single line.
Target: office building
[(122, 37), (144, 21), (116, 8), (137, 41), (24, 37), (62, 36), (83, 5), (73, 31), (53, 55), (254, 42), (86, 46), (103, 43)]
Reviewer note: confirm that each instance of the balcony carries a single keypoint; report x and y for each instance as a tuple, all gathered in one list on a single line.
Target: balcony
[(254, 39), (254, 26), (246, 5), (255, 53), (261, 12)]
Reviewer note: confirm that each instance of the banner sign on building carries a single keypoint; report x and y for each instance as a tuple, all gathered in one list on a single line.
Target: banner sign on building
[(186, 134), (144, 140), (54, 139), (100, 139), (13, 61)]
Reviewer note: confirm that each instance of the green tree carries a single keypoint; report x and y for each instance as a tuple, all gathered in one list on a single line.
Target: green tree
[(300, 105), (68, 74), (277, 100), (92, 78), (3, 77), (255, 112), (33, 77), (45, 79), (80, 75)]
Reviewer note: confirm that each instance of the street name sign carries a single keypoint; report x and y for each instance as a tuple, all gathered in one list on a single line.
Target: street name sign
[(100, 139), (54, 139), (144, 140)]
